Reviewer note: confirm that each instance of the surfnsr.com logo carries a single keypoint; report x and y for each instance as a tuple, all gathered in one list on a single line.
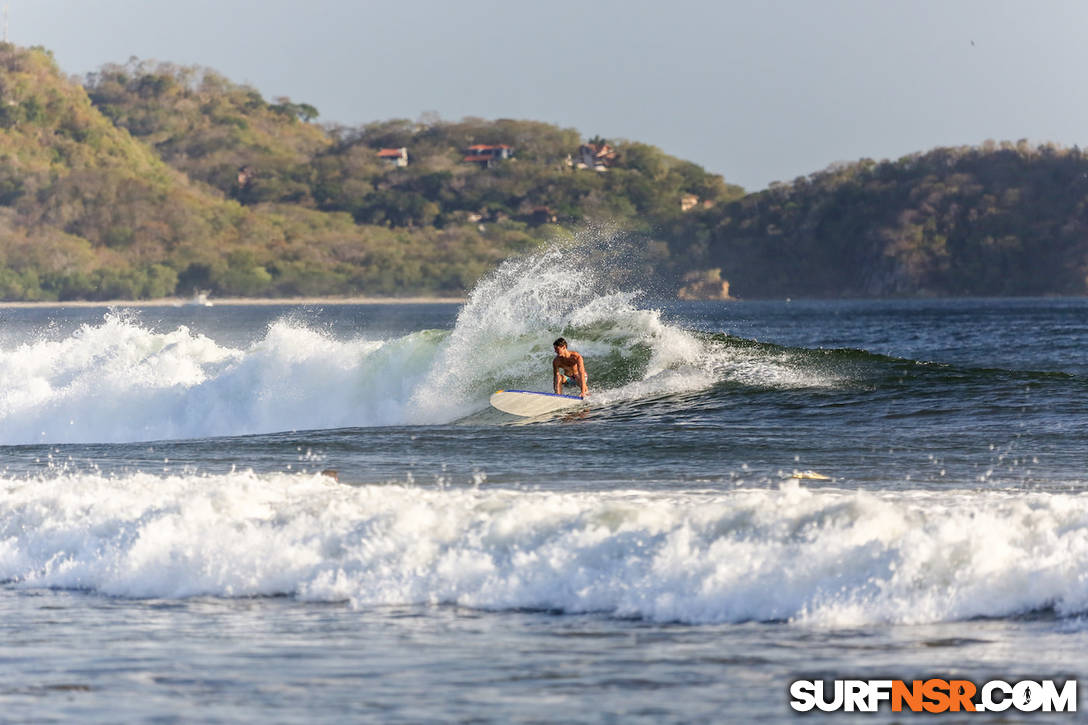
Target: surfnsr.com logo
[(933, 696)]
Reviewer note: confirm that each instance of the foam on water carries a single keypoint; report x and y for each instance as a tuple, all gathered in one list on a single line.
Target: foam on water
[(119, 381), (815, 557)]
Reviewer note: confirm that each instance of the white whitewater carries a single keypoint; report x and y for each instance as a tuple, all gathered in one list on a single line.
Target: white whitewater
[(821, 557)]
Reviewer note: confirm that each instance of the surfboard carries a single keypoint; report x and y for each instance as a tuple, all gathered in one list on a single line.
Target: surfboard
[(528, 403)]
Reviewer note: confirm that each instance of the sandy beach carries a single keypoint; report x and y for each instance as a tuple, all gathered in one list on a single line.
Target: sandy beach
[(243, 301)]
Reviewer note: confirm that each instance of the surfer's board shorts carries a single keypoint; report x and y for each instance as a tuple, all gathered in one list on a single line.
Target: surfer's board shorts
[(568, 380)]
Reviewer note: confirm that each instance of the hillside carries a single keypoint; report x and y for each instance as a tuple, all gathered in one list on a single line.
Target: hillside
[(209, 128), (77, 195), (88, 211), (159, 180), (1002, 219), (151, 179)]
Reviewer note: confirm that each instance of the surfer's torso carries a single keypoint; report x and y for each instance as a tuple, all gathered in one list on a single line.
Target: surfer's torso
[(568, 363)]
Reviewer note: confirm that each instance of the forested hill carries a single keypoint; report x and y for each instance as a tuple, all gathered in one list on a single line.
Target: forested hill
[(1001, 219), (150, 180)]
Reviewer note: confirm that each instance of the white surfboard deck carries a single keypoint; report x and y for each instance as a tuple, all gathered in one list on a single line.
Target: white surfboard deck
[(528, 403)]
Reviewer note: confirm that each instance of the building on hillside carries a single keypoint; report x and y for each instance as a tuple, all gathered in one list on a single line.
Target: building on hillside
[(394, 157), (485, 155), (599, 157), (688, 202)]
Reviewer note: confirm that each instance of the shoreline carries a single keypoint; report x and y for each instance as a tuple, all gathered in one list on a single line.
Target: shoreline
[(242, 302)]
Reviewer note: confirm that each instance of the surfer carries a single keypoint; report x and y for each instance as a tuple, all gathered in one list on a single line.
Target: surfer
[(569, 368)]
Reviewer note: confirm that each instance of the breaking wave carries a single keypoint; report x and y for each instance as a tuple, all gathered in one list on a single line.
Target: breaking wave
[(817, 557), (118, 381)]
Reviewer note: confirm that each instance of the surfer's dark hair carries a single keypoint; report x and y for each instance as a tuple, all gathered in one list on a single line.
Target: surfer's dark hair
[(559, 342)]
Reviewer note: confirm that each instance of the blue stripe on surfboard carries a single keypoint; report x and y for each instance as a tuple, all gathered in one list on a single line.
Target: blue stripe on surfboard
[(538, 392)]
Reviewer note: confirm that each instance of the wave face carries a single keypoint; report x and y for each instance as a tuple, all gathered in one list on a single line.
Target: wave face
[(819, 557), (119, 381)]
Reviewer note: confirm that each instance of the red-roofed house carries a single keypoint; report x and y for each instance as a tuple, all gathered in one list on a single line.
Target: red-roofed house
[(394, 157), (485, 155)]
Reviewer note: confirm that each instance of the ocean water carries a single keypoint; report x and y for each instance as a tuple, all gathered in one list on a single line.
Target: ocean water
[(757, 492)]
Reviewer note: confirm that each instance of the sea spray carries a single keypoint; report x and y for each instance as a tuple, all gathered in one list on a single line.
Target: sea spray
[(585, 291), (504, 333), (813, 557), (120, 381)]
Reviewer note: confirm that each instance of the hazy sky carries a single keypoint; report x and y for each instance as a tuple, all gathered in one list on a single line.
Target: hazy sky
[(756, 90)]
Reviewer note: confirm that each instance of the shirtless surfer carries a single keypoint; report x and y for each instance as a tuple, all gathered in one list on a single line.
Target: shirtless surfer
[(569, 368)]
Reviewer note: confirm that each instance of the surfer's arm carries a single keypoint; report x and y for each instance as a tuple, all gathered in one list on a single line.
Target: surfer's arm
[(557, 377), (582, 375)]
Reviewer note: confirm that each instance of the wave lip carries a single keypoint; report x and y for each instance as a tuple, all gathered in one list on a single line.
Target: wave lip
[(812, 557)]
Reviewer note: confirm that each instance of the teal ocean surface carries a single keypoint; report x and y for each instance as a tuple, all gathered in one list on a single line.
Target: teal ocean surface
[(757, 492)]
